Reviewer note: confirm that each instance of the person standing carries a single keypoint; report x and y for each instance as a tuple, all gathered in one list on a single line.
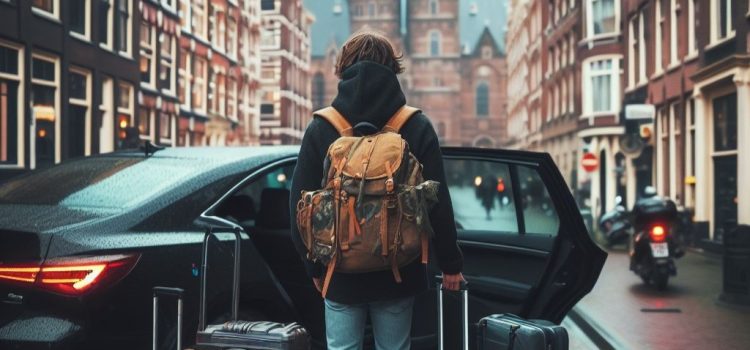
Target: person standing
[(369, 91)]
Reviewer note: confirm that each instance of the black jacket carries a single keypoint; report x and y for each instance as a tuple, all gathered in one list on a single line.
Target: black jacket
[(371, 92)]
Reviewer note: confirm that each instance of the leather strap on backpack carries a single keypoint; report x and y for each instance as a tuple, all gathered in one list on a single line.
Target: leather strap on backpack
[(335, 118), (400, 118)]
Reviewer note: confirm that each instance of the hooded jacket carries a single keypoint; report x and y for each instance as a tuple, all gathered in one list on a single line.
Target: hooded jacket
[(370, 92)]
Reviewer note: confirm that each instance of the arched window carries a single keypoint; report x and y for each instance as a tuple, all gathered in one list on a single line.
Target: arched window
[(319, 91), (434, 7), (434, 43), (483, 100)]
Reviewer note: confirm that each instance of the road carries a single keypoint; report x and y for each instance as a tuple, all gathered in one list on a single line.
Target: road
[(685, 316)]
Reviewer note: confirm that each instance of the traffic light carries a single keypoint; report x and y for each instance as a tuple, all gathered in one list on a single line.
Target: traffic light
[(123, 121)]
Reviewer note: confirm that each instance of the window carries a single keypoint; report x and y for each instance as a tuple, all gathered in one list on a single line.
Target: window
[(232, 99), (692, 47), (44, 101), (271, 37), (218, 29), (482, 195), (632, 50), (483, 99), (79, 109), (185, 12), (80, 17), (46, 7), (371, 9), (183, 87), (200, 74), (267, 4), (167, 66), (200, 22), (232, 38), (725, 123), (166, 125), (641, 50), (434, 9), (721, 20), (148, 46), (658, 37), (125, 110), (673, 36), (539, 214), (11, 116), (601, 80), (143, 123), (221, 100), (434, 43), (318, 91), (603, 19), (106, 10), (124, 26)]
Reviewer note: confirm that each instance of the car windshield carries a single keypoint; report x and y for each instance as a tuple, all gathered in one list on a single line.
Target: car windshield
[(100, 182)]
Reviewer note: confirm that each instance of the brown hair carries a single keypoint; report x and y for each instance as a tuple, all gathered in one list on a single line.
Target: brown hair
[(368, 46)]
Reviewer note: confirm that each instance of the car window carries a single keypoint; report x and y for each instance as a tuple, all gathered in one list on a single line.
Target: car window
[(482, 195), (246, 205), (540, 216)]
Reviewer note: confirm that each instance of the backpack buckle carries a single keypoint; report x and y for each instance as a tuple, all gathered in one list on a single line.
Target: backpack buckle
[(389, 185)]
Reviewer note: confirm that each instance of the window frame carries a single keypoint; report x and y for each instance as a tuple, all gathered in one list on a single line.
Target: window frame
[(692, 43), (148, 51), (200, 80), (108, 44), (587, 89), (53, 84), (435, 47), (186, 74), (18, 77), (484, 112), (715, 22), (590, 21), (128, 50), (168, 62), (128, 110), (200, 12), (673, 37), (86, 35), (86, 102), (54, 15), (658, 38)]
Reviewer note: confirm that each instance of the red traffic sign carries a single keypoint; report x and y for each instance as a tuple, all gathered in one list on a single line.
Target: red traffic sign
[(589, 162)]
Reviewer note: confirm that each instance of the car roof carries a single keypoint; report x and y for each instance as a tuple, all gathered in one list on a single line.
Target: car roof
[(222, 154)]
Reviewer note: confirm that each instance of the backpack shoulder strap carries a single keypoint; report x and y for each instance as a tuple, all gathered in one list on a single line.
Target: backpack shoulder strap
[(332, 116), (400, 118)]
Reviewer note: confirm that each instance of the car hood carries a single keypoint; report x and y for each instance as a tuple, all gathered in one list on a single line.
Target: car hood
[(26, 230)]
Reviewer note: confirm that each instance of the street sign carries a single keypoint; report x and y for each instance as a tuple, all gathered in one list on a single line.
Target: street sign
[(639, 112), (589, 162)]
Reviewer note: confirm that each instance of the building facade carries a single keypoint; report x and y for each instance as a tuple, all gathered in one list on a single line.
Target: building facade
[(219, 72), (461, 88), (658, 90), (68, 74), (286, 107)]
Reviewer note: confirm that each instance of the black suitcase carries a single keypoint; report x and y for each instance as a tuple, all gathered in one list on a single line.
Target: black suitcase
[(464, 316), (177, 293), (238, 334), (507, 331)]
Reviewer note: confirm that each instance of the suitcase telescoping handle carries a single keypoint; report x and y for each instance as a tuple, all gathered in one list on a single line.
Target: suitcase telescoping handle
[(177, 293), (464, 315), (204, 268)]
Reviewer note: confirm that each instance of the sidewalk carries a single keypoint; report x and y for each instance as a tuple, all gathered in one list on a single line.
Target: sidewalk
[(627, 314)]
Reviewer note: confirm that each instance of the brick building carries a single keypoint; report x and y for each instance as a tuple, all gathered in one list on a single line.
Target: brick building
[(67, 75), (285, 79), (219, 72), (682, 63), (457, 79)]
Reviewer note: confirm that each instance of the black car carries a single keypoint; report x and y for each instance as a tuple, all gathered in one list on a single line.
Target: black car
[(82, 244)]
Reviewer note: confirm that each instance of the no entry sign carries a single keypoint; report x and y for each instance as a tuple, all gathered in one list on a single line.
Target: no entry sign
[(589, 162)]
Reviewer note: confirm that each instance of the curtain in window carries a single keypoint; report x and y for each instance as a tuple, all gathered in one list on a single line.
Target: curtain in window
[(601, 85), (603, 13)]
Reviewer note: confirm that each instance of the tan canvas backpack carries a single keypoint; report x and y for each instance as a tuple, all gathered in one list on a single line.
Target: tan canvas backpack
[(372, 213)]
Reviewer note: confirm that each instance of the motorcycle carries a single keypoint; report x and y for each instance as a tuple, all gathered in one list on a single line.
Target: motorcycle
[(615, 224), (653, 247)]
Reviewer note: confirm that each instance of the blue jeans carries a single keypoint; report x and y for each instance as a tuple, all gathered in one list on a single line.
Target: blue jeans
[(391, 324)]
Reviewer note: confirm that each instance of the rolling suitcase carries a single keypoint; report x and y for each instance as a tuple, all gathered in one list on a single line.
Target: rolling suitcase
[(464, 317), (175, 292), (237, 334), (507, 331)]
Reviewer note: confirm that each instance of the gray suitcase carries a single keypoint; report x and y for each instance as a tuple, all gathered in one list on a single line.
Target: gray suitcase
[(507, 331)]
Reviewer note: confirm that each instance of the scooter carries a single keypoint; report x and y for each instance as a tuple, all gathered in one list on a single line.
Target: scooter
[(653, 247), (615, 224)]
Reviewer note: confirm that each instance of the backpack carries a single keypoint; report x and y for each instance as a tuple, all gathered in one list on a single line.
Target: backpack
[(372, 213)]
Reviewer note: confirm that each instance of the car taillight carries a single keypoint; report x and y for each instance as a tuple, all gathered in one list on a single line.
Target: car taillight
[(658, 233), (72, 275)]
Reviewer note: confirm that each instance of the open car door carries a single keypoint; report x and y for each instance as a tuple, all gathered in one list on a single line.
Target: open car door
[(526, 248)]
